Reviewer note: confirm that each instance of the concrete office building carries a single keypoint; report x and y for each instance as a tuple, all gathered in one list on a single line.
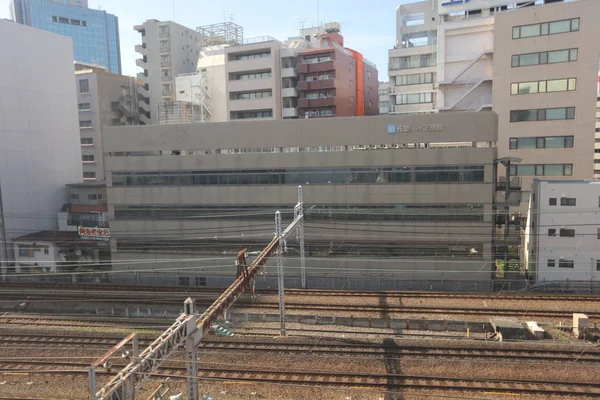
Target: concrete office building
[(562, 237), (390, 201), (412, 62), (39, 133), (168, 49), (597, 140), (384, 97), (103, 99), (95, 33), (533, 62)]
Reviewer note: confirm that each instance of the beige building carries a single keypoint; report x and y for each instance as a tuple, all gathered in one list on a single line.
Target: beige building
[(253, 72), (103, 99), (597, 140), (390, 201)]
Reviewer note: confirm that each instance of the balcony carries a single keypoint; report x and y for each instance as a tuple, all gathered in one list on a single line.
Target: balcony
[(141, 63), (142, 77), (288, 72), (513, 200), (143, 92), (167, 78), (144, 106), (165, 64), (164, 48), (140, 48), (252, 104), (256, 64), (316, 67), (145, 120), (290, 113), (315, 103), (289, 92), (316, 85)]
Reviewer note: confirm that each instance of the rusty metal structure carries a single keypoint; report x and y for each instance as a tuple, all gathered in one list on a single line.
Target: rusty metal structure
[(189, 329)]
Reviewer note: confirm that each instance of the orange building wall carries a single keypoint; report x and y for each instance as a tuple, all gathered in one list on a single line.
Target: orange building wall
[(360, 82)]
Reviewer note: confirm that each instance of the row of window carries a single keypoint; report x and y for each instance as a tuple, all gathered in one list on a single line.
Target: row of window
[(542, 114), (548, 142), (88, 158), (87, 141), (545, 57), (409, 62), (563, 232), (320, 112), (63, 20), (414, 98), (91, 196), (564, 201), (84, 106), (84, 86), (394, 212), (85, 124), (89, 176), (315, 60), (253, 114), (255, 75), (547, 86), (318, 77), (298, 176), (240, 57), (566, 264), (318, 95), (252, 95), (546, 28), (541, 170), (414, 79)]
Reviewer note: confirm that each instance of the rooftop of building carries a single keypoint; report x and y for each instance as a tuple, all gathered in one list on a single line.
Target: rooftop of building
[(48, 236)]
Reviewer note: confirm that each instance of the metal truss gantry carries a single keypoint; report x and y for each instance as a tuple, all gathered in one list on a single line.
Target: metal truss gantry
[(189, 328)]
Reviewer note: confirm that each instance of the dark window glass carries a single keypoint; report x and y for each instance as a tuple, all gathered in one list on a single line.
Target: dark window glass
[(551, 232), (566, 264), (567, 232), (551, 263), (568, 201), (552, 201)]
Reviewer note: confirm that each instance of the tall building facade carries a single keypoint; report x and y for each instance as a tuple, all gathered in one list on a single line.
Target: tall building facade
[(95, 33), (168, 49), (39, 133), (103, 99), (384, 97), (533, 62)]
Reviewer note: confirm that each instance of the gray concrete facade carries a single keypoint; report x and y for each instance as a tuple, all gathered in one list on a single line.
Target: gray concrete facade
[(410, 205)]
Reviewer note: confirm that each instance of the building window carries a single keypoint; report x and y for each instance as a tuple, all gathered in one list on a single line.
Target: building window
[(92, 196), (542, 114), (321, 95), (24, 252), (414, 79), (542, 169), (567, 232), (315, 60), (409, 62), (251, 95), (85, 124), (318, 77), (184, 281), (253, 56), (546, 28), (549, 86), (74, 196), (568, 201), (544, 57), (598, 233), (256, 75), (84, 86), (200, 281), (88, 158), (551, 232), (46, 250), (552, 201), (89, 176), (566, 264), (547, 142), (87, 141), (84, 106), (551, 263), (254, 114), (414, 98), (597, 265)]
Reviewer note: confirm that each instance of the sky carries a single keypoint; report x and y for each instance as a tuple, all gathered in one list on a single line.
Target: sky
[(368, 26)]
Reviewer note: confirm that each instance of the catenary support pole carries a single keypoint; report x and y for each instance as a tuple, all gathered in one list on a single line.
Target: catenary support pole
[(190, 351), (92, 382), (299, 210), (280, 282)]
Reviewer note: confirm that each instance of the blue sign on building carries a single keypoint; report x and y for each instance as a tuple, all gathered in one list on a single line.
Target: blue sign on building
[(391, 128), (95, 33), (454, 2)]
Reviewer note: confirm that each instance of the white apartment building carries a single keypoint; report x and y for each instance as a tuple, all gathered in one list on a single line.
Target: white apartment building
[(384, 97), (412, 62), (597, 140), (103, 99), (206, 88), (563, 231), (534, 62), (168, 49), (39, 131)]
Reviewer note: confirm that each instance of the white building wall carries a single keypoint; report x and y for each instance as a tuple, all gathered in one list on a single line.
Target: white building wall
[(583, 249), (39, 132), (39, 255)]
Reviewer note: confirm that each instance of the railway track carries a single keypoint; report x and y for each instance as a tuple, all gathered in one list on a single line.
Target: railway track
[(376, 381), (169, 291), (364, 349)]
